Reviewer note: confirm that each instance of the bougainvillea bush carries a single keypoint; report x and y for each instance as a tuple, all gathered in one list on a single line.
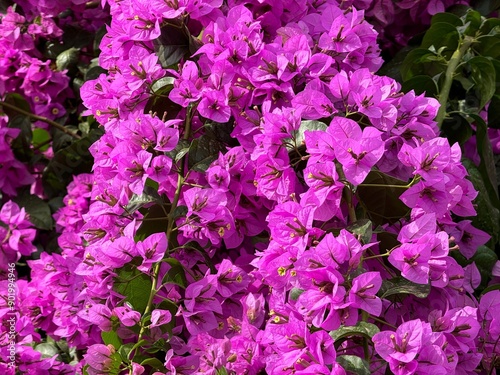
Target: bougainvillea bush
[(249, 187)]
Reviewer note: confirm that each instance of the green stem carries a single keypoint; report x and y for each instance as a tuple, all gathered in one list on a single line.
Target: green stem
[(40, 145), (40, 118), (456, 58), (382, 185), (494, 358), (348, 194), (171, 219), (156, 270), (376, 256), (152, 219), (415, 179), (366, 350), (383, 322), (180, 177)]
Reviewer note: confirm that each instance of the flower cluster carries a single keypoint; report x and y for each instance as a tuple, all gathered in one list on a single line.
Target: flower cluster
[(262, 202), (13, 173), (23, 71), (42, 82), (56, 276), (30, 302), (16, 234)]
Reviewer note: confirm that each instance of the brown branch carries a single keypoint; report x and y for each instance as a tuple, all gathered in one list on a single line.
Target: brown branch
[(40, 118)]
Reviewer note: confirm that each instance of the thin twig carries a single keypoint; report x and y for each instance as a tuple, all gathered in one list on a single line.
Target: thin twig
[(41, 118), (449, 75)]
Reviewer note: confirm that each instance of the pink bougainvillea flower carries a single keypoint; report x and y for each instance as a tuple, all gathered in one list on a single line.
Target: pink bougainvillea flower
[(363, 292)]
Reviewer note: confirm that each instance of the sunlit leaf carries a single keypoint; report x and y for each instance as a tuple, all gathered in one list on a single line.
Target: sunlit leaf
[(364, 329), (400, 285), (38, 210), (354, 364), (382, 202), (176, 274), (111, 338), (133, 284)]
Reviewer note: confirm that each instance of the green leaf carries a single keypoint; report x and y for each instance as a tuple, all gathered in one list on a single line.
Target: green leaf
[(458, 9), (163, 106), (306, 125), (483, 75), (382, 202), (361, 328), (456, 128), (400, 285), (38, 210), (22, 144), (133, 284), (422, 61), (154, 363), (149, 195), (496, 65), (60, 139), (487, 164), (18, 101), (176, 274), (173, 43), (55, 204), (99, 34), (222, 371), (125, 349), (157, 225), (488, 46), (41, 136), (68, 58), (152, 185), (84, 128), (180, 211), (494, 112), (112, 338), (76, 37), (4, 5), (163, 85), (421, 84), (94, 73), (474, 21), (392, 68), (387, 241), (450, 18), (490, 288), (488, 216), (181, 147), (441, 34), (295, 293), (363, 228), (485, 259), (203, 151), (485, 7), (72, 160), (47, 350), (354, 364), (114, 367), (490, 26), (160, 344), (73, 37), (221, 132), (181, 154)]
